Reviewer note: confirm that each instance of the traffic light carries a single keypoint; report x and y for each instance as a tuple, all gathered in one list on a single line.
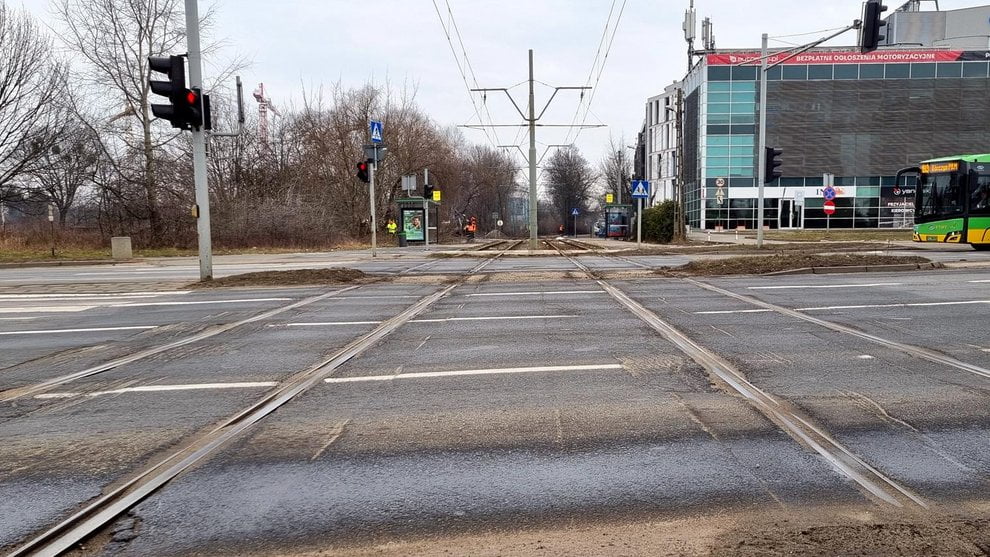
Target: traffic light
[(363, 168), (869, 34), (770, 172), (185, 108), (428, 191)]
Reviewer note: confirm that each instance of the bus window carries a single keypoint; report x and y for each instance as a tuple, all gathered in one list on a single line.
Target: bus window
[(941, 194), (979, 197)]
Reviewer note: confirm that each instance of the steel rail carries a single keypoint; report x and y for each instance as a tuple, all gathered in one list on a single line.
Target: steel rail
[(18, 392), (98, 513), (917, 351), (789, 419)]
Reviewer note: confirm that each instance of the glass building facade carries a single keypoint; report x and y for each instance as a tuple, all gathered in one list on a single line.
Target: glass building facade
[(857, 117)]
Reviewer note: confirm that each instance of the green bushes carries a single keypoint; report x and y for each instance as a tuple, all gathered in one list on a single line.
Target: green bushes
[(658, 223)]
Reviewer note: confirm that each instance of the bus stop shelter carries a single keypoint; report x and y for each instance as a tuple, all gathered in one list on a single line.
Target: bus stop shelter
[(419, 220)]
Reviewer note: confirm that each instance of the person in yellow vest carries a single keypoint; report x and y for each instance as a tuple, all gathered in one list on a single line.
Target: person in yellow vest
[(391, 226)]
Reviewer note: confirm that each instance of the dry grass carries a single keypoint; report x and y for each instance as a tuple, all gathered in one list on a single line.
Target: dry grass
[(296, 277), (757, 265)]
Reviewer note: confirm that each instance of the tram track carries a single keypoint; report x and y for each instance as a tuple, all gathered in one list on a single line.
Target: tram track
[(790, 419), (98, 513)]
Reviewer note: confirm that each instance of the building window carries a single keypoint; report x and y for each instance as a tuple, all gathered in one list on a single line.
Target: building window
[(951, 69), (846, 71), (823, 71), (974, 69), (795, 73), (744, 73), (871, 71), (922, 70), (719, 73), (897, 71)]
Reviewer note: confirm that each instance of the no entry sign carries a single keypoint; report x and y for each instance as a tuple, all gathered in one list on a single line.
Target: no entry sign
[(829, 207)]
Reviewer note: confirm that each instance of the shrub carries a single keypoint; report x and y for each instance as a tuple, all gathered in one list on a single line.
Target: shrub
[(658, 223)]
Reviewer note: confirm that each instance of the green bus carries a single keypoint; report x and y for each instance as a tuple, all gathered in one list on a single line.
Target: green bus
[(952, 200)]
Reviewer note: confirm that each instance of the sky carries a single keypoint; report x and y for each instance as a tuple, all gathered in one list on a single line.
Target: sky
[(295, 44)]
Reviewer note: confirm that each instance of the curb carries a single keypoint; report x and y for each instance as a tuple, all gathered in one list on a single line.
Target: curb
[(27, 264), (857, 269)]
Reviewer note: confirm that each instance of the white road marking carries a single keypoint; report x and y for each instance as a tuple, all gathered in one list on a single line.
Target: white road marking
[(440, 320), (46, 309), (17, 318), (93, 295), (465, 372), (881, 306), (559, 293), (865, 357), (92, 330), (728, 311), (875, 285), (396, 297), (867, 306), (165, 388), (200, 302), (979, 281)]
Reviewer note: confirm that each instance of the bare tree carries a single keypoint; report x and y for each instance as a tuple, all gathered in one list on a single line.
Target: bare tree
[(116, 37), (68, 168), (30, 81), (616, 168), (570, 183)]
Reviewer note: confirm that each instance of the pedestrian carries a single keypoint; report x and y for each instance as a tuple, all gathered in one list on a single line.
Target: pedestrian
[(391, 226)]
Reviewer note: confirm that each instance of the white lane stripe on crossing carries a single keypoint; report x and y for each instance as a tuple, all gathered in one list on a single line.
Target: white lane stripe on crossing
[(559, 293), (467, 372), (867, 306), (979, 281), (808, 286), (201, 302), (164, 388), (91, 330), (439, 320), (93, 295), (46, 309)]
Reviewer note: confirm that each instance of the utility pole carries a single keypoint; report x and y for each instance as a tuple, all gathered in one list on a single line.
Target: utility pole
[(761, 151), (371, 201), (531, 120), (533, 197), (199, 145), (679, 221)]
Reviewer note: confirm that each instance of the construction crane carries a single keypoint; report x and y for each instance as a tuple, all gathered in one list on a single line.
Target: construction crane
[(264, 105)]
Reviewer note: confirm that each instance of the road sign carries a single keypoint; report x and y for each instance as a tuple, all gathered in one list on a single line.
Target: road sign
[(640, 189), (409, 183), (828, 193), (829, 207), (500, 222), (609, 198), (719, 182), (436, 196), (376, 131), (720, 195), (575, 212), (799, 198)]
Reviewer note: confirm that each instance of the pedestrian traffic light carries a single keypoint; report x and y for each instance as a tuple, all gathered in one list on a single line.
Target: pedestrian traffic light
[(428, 191), (362, 171), (185, 108), (770, 172), (869, 33)]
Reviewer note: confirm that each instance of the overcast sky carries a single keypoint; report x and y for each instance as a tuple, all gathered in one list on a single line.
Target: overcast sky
[(292, 43)]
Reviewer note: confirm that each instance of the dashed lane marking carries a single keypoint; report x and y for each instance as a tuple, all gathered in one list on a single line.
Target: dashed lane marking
[(438, 320), (46, 309), (535, 293), (93, 295), (865, 306), (90, 330), (164, 388), (468, 372), (201, 302), (808, 286)]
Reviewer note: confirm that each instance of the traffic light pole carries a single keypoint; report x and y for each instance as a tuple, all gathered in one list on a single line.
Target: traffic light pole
[(199, 146), (371, 201), (761, 150), (534, 197)]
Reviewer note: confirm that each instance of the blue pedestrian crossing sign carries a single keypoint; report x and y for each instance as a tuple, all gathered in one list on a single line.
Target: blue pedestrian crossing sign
[(640, 189), (575, 212), (376, 131)]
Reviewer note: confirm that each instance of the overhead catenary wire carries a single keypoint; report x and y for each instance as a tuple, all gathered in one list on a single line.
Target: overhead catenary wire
[(594, 64), (601, 71), (461, 68)]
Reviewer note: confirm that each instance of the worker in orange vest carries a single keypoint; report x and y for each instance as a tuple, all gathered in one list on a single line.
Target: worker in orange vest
[(471, 228)]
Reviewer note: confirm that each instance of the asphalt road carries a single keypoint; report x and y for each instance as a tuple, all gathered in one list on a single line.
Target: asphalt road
[(503, 408)]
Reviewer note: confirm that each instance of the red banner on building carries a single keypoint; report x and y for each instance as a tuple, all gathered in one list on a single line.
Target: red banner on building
[(851, 57)]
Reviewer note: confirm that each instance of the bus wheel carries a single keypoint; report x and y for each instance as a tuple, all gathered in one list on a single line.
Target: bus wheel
[(981, 247)]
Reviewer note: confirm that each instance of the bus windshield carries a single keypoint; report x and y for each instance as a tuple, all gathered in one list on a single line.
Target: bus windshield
[(941, 195)]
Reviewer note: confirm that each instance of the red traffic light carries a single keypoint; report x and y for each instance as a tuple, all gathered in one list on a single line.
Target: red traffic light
[(191, 97), (363, 166)]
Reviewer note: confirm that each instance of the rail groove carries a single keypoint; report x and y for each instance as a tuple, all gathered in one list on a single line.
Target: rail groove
[(789, 419), (98, 513)]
